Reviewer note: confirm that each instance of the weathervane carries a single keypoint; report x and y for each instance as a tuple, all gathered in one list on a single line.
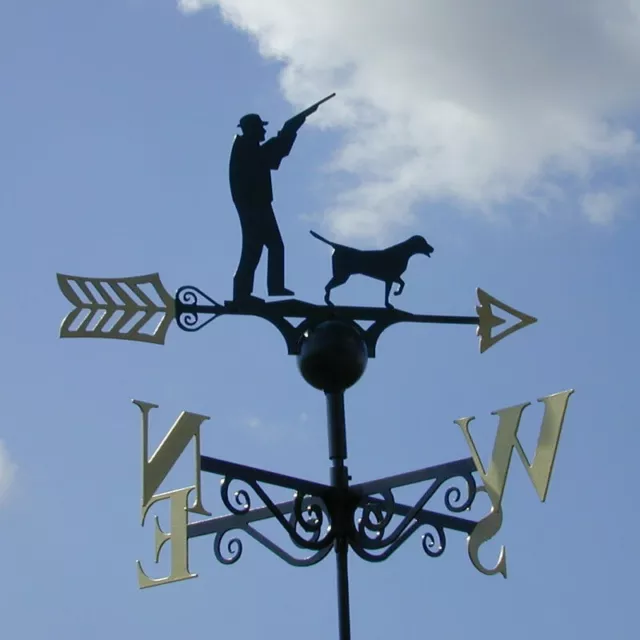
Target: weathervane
[(332, 351)]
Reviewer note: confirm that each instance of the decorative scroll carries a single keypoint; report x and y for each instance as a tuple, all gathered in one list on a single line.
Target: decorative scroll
[(191, 303), (307, 521), (229, 551)]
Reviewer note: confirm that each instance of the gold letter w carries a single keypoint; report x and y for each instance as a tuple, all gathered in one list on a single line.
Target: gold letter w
[(495, 478), (506, 441)]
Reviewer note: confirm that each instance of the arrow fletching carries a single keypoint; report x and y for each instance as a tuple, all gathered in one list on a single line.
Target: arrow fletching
[(487, 321), (117, 308)]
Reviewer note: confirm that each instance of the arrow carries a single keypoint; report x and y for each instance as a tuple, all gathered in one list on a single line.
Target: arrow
[(110, 304)]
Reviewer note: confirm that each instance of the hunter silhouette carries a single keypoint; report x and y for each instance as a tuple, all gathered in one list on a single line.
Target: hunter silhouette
[(250, 168)]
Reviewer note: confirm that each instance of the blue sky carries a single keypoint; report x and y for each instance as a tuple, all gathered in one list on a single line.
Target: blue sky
[(116, 121)]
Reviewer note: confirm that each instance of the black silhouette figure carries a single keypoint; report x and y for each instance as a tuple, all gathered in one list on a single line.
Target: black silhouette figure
[(387, 265), (250, 169)]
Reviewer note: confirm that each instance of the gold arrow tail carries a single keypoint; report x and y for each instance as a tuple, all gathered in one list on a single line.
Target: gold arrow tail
[(116, 308)]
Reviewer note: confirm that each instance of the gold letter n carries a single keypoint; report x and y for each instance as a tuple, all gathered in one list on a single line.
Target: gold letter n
[(157, 467)]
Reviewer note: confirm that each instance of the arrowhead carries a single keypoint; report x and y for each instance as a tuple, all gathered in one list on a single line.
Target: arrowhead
[(487, 321)]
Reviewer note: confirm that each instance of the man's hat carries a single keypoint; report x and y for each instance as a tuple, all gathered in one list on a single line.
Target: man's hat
[(251, 120)]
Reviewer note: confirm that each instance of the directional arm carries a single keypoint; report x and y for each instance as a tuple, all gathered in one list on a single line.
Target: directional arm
[(379, 525)]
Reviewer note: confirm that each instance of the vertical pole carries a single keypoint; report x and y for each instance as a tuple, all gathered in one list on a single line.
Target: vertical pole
[(340, 480)]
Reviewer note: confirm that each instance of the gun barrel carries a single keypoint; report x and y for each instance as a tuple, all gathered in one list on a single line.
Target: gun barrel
[(317, 104), (313, 107)]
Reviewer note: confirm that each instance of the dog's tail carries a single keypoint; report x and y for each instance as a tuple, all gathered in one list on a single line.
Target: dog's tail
[(317, 235)]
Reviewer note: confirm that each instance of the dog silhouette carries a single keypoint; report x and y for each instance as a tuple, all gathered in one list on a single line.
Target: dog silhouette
[(387, 264)]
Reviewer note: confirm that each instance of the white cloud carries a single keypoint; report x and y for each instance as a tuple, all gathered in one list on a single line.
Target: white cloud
[(599, 206), (7, 472), (479, 103)]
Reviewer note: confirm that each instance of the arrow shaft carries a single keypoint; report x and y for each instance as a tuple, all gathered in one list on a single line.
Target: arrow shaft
[(444, 319), (350, 313)]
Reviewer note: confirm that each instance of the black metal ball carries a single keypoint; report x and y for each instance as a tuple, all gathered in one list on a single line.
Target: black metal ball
[(333, 356)]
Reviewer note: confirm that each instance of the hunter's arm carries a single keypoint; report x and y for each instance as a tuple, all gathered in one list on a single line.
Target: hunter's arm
[(278, 147)]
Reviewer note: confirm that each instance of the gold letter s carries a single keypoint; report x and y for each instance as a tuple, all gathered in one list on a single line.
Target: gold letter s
[(483, 532)]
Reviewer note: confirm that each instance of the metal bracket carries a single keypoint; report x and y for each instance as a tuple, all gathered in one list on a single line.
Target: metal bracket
[(377, 514), (308, 518)]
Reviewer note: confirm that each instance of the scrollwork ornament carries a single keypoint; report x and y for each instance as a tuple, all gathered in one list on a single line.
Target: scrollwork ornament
[(432, 546), (187, 303), (309, 513), (234, 548), (376, 516), (187, 321), (241, 498), (454, 494), (187, 296)]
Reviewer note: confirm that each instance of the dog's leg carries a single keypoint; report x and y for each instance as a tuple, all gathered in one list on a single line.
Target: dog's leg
[(400, 281), (336, 281), (387, 291), (327, 295)]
